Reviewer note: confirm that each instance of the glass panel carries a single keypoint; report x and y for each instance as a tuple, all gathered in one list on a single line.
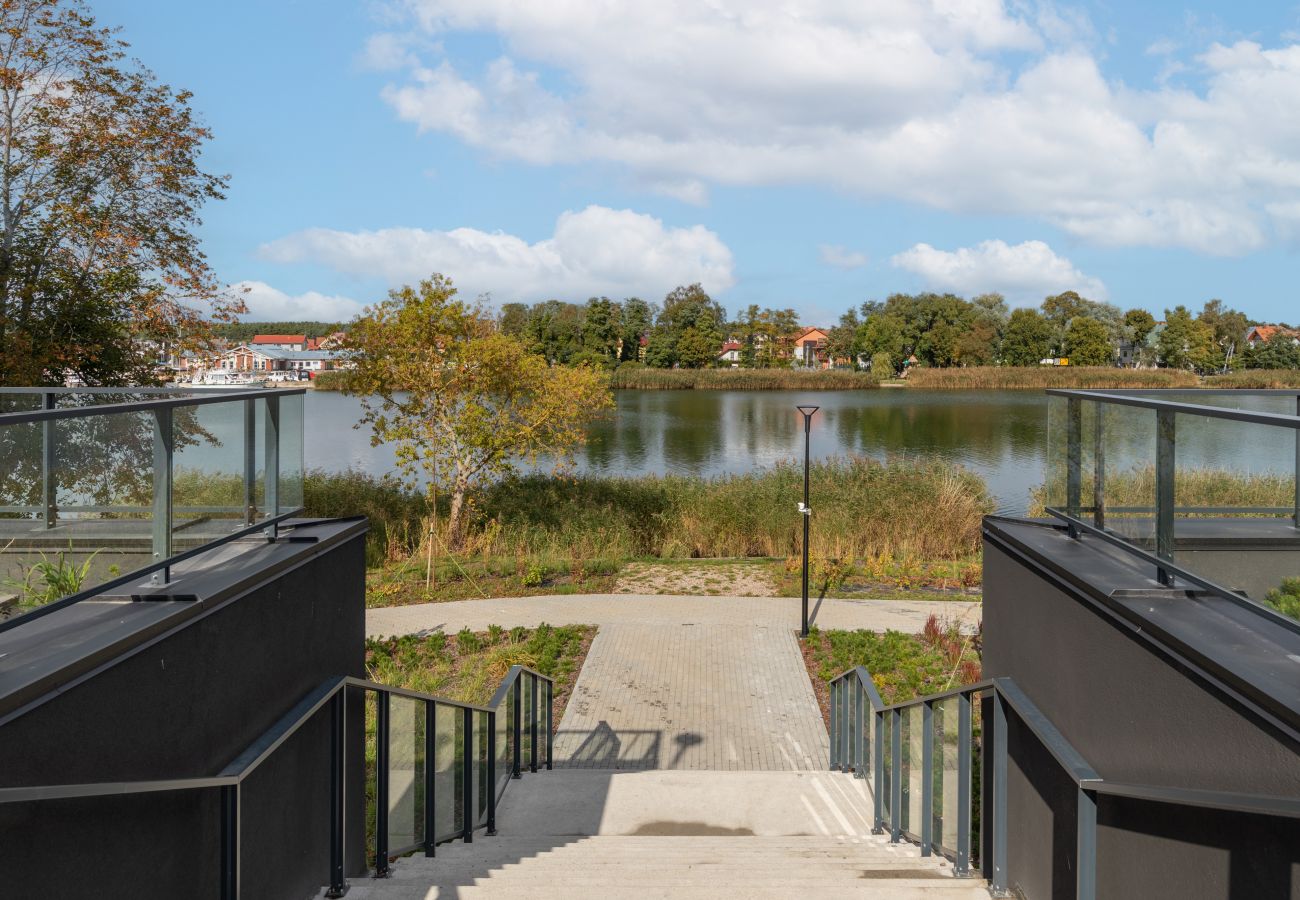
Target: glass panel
[(887, 752), (915, 783), (446, 772), (904, 724), (405, 772), (482, 747), (543, 736), (210, 482), (505, 738), (291, 453), (525, 731), (947, 751), (1128, 489)]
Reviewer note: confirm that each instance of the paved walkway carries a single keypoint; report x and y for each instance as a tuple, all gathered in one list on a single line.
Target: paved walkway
[(654, 609)]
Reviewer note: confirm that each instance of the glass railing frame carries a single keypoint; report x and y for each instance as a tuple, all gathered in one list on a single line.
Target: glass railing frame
[(1165, 509), (163, 508), (333, 692)]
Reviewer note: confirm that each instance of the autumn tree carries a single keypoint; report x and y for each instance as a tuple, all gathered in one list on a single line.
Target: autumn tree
[(461, 401), (100, 192)]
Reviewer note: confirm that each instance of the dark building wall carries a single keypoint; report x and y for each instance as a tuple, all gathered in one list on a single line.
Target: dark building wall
[(1137, 714), (184, 707)]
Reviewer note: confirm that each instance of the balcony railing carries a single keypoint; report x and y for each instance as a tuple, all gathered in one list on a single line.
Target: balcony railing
[(1203, 487), (104, 487)]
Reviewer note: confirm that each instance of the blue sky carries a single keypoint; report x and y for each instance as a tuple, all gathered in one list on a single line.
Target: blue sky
[(785, 154)]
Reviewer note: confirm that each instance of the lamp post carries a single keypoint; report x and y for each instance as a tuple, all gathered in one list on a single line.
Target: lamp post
[(804, 509)]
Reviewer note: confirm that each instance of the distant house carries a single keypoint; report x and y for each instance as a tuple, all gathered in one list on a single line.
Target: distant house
[(810, 348), (282, 341), (1259, 334), (730, 353), (251, 358)]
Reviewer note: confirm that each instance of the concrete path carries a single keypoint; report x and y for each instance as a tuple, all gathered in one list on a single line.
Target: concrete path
[(653, 609)]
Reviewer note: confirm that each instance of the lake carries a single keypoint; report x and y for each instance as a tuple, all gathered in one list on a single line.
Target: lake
[(1000, 435)]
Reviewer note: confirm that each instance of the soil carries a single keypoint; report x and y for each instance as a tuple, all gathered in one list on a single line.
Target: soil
[(717, 579)]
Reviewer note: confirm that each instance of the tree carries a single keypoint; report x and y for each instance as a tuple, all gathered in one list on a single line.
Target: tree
[(601, 323), (638, 318), (1139, 323), (697, 348), (690, 309), (513, 319), (1278, 352), (1228, 327), (1186, 343), (978, 344), (882, 367), (1028, 338), (554, 330), (100, 192), (461, 401), (1087, 343), (842, 340)]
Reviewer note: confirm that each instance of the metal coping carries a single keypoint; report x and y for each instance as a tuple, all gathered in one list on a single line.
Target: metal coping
[(1191, 409), (175, 400)]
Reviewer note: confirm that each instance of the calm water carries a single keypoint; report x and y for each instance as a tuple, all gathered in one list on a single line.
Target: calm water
[(999, 435)]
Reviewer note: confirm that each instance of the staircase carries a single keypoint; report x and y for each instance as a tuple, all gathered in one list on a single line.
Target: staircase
[(578, 834)]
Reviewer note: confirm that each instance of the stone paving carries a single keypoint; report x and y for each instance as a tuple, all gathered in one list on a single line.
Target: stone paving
[(653, 609), (683, 682)]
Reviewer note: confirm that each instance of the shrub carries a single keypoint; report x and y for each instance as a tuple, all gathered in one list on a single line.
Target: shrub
[(1285, 599)]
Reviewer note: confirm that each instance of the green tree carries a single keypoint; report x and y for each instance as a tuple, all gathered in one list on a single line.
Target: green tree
[(882, 367), (697, 348), (1229, 328), (462, 402), (601, 324), (513, 319), (1278, 352), (1185, 342), (842, 340), (661, 349), (1087, 343), (100, 193), (1139, 323), (638, 319), (554, 330), (1028, 338)]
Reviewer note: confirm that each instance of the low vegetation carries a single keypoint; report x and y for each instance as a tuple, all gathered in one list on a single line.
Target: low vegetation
[(1256, 379), (902, 666), (1040, 377), (783, 379), (1285, 599), (1221, 488)]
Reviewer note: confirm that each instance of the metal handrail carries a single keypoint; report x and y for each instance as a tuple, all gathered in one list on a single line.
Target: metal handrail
[(851, 749), (333, 692), (135, 406), (1192, 409)]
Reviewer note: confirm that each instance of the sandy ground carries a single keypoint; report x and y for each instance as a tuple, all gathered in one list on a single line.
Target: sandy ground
[(713, 579)]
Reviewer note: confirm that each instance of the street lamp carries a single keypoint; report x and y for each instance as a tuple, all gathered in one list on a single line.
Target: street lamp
[(804, 509)]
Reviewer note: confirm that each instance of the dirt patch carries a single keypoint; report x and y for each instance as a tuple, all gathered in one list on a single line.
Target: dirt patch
[(715, 579)]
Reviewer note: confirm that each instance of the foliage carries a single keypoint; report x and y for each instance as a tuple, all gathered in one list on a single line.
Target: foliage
[(1187, 343), (882, 366), (1136, 488), (462, 402), (902, 666), (100, 190), (53, 578), (1257, 379), (395, 513), (242, 332), (645, 378), (1028, 338), (1278, 352), (1087, 342), (1285, 599), (1038, 377)]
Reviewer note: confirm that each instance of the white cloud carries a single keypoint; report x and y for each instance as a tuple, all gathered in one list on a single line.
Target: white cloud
[(268, 304), (1023, 273), (592, 252), (973, 107), (840, 257)]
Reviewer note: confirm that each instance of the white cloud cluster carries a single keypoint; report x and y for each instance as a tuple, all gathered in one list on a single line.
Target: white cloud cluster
[(592, 252), (268, 304), (840, 257), (964, 105), (1023, 273)]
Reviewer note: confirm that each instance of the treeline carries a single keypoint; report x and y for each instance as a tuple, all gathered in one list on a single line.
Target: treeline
[(688, 331), (242, 332)]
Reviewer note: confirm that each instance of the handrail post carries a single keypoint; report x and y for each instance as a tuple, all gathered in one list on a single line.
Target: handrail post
[(49, 475), (381, 784), (230, 867), (1166, 444), (861, 744), (1074, 460), (532, 724), (964, 752), (164, 445), (836, 688), (998, 886), (1086, 864), (430, 781), (492, 773), (250, 462), (467, 782), (337, 886), (927, 777), (896, 777), (518, 728), (878, 773), (550, 721)]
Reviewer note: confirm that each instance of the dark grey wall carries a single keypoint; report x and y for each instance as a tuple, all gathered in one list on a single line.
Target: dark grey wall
[(185, 707), (1137, 715)]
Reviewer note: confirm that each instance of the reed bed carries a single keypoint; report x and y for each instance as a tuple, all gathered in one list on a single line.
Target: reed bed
[(1256, 379), (1192, 488), (1010, 378), (645, 379), (905, 508)]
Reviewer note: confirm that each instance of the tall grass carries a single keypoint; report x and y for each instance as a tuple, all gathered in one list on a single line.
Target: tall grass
[(395, 513), (906, 508), (646, 379), (1038, 377), (1256, 379), (1192, 488)]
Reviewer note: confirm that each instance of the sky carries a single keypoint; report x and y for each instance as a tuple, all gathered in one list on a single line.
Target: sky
[(811, 154)]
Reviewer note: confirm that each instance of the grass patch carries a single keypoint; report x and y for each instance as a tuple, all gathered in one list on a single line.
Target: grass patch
[(1192, 487), (403, 582), (647, 379), (1256, 379), (1009, 378), (902, 666)]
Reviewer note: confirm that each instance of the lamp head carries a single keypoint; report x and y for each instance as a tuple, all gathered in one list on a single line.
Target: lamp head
[(807, 410)]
